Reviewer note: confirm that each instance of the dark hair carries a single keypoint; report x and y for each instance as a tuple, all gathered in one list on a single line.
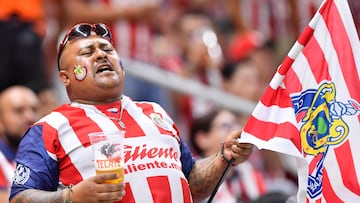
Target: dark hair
[(201, 124), (230, 67), (228, 70)]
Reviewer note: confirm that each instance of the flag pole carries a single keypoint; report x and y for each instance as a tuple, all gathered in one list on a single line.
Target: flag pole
[(220, 180)]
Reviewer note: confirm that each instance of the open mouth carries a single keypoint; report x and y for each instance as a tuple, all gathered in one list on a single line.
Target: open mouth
[(103, 68)]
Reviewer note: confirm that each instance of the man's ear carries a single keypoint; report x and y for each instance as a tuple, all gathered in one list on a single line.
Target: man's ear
[(64, 77)]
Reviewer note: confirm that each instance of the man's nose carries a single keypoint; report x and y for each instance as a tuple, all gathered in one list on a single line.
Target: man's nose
[(100, 54)]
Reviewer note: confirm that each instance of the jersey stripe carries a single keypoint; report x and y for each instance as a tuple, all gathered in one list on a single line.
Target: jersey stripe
[(162, 187)]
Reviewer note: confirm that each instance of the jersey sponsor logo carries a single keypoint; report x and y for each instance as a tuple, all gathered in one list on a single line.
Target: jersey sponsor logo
[(22, 174), (157, 119), (150, 158), (142, 152)]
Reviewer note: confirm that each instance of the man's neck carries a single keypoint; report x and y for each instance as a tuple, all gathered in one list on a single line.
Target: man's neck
[(94, 102)]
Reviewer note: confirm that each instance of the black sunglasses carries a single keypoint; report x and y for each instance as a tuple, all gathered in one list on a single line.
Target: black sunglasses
[(83, 30)]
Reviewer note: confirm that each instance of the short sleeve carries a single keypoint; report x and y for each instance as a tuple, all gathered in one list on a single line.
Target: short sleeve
[(187, 160), (35, 169)]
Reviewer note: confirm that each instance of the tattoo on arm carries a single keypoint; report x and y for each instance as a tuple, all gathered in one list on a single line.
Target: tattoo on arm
[(204, 176), (38, 196)]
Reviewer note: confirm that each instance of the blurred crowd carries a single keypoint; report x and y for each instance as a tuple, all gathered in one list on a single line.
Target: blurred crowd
[(233, 45)]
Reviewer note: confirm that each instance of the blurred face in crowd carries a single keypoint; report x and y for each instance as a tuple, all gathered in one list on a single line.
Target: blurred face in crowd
[(265, 61), (91, 71), (223, 123), (202, 50), (18, 111), (245, 82)]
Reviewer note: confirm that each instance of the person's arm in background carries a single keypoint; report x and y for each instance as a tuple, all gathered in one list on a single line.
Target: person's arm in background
[(206, 172), (80, 10)]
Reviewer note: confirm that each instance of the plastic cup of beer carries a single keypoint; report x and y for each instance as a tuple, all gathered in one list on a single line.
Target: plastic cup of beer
[(108, 153)]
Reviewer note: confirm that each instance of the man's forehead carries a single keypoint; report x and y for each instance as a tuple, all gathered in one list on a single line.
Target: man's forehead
[(92, 40), (17, 99)]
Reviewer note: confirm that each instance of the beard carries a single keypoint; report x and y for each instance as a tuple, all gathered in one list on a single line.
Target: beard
[(13, 139)]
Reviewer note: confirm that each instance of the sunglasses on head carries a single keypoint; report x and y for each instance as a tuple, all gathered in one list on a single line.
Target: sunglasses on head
[(83, 30)]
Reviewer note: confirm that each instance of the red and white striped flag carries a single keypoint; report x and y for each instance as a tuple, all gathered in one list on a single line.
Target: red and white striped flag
[(311, 108)]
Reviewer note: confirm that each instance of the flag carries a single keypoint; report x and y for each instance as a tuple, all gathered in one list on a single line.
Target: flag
[(311, 110)]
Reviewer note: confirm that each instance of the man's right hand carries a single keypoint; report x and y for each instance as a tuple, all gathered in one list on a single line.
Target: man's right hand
[(94, 189)]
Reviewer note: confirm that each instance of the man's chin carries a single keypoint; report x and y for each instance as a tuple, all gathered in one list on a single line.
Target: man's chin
[(13, 139), (108, 80)]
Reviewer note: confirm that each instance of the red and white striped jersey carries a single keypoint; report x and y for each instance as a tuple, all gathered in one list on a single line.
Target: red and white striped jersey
[(153, 160)]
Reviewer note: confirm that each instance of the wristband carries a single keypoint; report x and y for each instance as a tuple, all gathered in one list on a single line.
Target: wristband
[(69, 190), (223, 158)]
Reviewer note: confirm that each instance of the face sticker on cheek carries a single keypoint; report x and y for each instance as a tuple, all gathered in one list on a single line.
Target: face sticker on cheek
[(80, 72)]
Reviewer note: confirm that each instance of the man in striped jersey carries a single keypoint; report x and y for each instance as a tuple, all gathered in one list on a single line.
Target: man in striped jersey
[(54, 161)]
